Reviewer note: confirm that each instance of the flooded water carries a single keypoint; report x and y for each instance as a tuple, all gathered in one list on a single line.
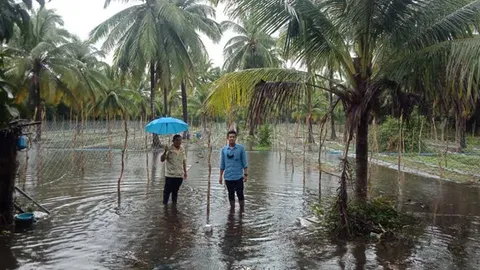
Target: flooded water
[(89, 229)]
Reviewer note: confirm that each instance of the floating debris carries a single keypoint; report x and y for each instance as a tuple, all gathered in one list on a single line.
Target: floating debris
[(208, 229)]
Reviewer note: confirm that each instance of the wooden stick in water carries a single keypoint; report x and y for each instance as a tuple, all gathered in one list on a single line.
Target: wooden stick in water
[(146, 153), (209, 172), (304, 145), (31, 199)]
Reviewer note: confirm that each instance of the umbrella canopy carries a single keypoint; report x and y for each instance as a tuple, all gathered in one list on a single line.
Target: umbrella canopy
[(166, 126)]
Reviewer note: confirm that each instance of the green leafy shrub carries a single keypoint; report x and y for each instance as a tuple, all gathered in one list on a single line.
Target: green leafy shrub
[(376, 215), (389, 134), (265, 136)]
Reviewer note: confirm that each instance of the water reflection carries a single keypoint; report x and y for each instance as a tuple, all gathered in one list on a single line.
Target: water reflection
[(86, 231), (232, 243)]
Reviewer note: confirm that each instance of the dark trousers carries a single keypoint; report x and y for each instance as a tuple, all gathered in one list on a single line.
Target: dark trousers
[(235, 186), (172, 185)]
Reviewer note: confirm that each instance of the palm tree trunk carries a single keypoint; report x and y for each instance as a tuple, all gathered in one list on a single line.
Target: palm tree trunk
[(8, 163), (251, 127), (156, 140), (38, 107), (152, 90), (333, 134), (167, 86), (461, 129), (361, 159), (184, 105), (311, 139)]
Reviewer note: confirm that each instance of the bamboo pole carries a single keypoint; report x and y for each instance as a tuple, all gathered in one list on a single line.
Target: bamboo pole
[(304, 150), (82, 139), (26, 163), (31, 199), (209, 172), (286, 142), (63, 126), (321, 142), (292, 149), (401, 179), (420, 138), (74, 140), (122, 169), (146, 154), (399, 147), (40, 148), (109, 131)]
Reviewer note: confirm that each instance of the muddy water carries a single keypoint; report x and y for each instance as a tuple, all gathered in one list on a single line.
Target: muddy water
[(90, 230)]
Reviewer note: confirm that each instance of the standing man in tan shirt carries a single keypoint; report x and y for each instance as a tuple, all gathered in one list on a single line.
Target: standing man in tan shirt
[(175, 168)]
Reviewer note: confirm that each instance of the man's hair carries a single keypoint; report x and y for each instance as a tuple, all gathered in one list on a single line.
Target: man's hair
[(176, 137), (232, 132)]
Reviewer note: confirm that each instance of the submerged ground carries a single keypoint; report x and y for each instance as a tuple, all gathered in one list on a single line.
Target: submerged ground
[(90, 230)]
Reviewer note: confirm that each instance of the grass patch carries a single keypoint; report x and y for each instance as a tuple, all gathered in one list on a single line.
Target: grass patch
[(456, 167)]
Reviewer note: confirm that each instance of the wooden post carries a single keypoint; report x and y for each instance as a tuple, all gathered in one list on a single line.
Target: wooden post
[(209, 172), (146, 152), (8, 169), (122, 168), (304, 156)]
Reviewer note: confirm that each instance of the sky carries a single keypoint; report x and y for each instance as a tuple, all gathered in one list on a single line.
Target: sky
[(80, 17)]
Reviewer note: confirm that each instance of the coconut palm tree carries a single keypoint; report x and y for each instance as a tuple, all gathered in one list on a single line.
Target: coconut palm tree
[(205, 75), (251, 48), (160, 34), (40, 62), (379, 44), (13, 14)]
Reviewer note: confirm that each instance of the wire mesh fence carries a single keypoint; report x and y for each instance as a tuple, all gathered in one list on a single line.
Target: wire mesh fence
[(68, 147)]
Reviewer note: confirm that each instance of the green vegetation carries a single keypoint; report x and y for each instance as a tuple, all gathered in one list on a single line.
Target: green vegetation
[(375, 216), (265, 136), (393, 132)]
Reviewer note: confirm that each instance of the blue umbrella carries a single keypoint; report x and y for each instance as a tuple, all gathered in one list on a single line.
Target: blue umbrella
[(166, 126)]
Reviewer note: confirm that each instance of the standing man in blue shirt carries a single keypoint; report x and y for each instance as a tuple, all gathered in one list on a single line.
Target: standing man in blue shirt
[(233, 167)]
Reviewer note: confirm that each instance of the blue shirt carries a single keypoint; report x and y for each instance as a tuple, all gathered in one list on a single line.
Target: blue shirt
[(232, 161)]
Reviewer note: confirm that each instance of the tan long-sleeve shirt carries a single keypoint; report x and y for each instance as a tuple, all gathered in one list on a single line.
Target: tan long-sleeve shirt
[(174, 162)]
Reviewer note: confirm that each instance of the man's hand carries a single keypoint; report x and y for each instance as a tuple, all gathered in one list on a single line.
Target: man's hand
[(220, 181), (245, 178), (185, 175), (164, 155)]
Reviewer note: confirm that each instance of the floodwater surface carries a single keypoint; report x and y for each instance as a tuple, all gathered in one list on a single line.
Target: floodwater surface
[(90, 229)]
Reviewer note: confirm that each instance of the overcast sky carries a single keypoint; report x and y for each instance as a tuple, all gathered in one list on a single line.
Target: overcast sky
[(81, 17)]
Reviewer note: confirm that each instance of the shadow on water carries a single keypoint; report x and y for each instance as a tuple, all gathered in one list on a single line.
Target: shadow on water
[(8, 259), (89, 231)]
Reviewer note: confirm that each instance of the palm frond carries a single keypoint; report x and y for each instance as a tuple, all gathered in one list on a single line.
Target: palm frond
[(235, 27), (237, 88)]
